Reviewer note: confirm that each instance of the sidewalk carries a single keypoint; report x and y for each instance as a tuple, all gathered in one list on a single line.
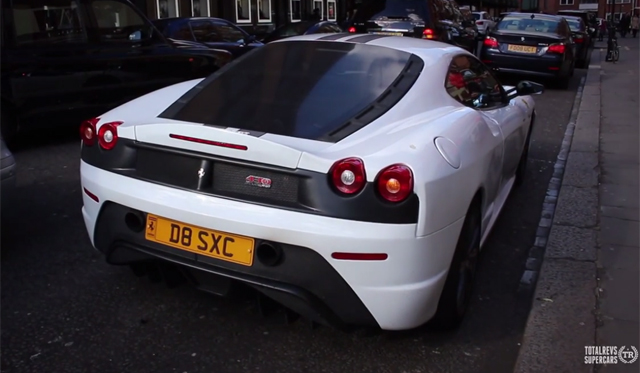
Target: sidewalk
[(587, 290)]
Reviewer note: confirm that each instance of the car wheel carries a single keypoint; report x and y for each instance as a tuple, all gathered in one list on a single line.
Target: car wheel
[(524, 159), (458, 288)]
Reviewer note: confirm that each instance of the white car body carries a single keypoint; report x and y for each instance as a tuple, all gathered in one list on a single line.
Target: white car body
[(453, 151), (483, 21)]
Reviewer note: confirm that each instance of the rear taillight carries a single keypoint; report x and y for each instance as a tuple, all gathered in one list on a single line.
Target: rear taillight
[(352, 30), (108, 135), (348, 175), (479, 22), (427, 33), (88, 131), (395, 183), (578, 40), (556, 48), (490, 42)]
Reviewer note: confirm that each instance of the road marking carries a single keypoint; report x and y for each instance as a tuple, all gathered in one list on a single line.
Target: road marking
[(627, 48), (594, 66)]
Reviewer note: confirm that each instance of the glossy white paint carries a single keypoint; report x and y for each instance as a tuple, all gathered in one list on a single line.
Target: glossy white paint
[(477, 152)]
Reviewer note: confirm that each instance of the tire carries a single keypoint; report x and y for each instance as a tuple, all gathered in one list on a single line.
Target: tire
[(458, 288), (521, 171), (616, 55)]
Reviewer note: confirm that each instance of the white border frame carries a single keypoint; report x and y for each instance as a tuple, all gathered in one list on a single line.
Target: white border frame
[(566, 2), (322, 16), (258, 8), (208, 14), (177, 8), (291, 11), (243, 21), (335, 11)]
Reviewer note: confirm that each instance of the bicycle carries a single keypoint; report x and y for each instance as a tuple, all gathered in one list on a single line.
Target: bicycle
[(613, 50)]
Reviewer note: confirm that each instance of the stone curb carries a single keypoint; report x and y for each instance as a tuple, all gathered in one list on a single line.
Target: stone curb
[(561, 264)]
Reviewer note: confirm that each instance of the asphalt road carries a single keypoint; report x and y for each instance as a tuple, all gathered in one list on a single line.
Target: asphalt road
[(65, 310)]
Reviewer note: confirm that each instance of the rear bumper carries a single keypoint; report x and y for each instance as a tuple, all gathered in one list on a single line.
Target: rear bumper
[(543, 66), (401, 292)]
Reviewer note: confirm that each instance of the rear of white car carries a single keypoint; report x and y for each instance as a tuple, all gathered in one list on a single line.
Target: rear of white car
[(483, 21), (334, 237)]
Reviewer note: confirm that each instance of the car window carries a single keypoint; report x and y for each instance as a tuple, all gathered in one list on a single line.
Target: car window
[(575, 24), (477, 16), (47, 22), (118, 21), (415, 10), (510, 23), (182, 32), (327, 28), (215, 32), (468, 80), (313, 90)]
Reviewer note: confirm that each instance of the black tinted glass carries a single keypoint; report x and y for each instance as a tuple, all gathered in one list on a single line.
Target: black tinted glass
[(300, 89), (574, 25), (42, 22), (511, 23), (476, 16), (392, 9)]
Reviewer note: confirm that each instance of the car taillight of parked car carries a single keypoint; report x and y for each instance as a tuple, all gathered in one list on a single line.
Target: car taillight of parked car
[(490, 42), (556, 48), (352, 30), (348, 175), (395, 183), (578, 40), (427, 33), (107, 134)]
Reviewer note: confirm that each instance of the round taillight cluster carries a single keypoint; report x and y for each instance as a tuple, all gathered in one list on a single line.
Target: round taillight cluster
[(394, 183), (348, 175), (107, 133)]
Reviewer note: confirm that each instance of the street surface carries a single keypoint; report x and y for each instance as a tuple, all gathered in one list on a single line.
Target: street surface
[(65, 310)]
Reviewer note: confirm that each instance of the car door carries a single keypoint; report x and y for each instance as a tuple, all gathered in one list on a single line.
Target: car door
[(44, 57), (220, 34), (134, 57)]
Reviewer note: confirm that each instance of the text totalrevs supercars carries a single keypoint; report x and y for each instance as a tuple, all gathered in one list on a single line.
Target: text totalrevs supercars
[(610, 354)]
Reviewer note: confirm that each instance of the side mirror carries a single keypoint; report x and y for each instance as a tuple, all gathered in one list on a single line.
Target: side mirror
[(525, 88), (135, 36)]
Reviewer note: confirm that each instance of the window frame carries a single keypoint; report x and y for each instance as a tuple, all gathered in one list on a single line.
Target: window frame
[(176, 2), (243, 21), (335, 11), (207, 14), (566, 2), (495, 104), (291, 11), (270, 18)]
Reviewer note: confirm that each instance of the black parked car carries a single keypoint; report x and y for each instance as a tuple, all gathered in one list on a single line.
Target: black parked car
[(412, 18), (213, 32), (463, 37), (302, 28), (531, 44), (581, 37), (67, 60), (588, 17)]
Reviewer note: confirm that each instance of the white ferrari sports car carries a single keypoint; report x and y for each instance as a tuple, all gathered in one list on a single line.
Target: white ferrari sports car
[(350, 178)]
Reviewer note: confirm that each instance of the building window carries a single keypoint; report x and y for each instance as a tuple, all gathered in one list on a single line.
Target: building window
[(615, 15), (566, 2), (264, 10), (296, 11), (167, 8), (318, 9), (243, 11), (200, 8), (620, 1), (331, 10)]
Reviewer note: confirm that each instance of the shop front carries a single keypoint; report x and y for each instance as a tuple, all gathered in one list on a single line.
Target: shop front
[(255, 16)]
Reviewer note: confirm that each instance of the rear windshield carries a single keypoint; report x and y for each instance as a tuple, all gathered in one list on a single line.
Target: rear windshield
[(510, 23), (299, 89), (416, 10), (574, 24), (476, 16)]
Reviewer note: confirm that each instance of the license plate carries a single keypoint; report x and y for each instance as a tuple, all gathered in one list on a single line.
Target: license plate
[(386, 33), (207, 242), (521, 48)]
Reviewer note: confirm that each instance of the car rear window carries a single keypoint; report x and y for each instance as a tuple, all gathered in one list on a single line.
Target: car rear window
[(476, 16), (510, 23), (300, 89), (574, 24), (416, 10)]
